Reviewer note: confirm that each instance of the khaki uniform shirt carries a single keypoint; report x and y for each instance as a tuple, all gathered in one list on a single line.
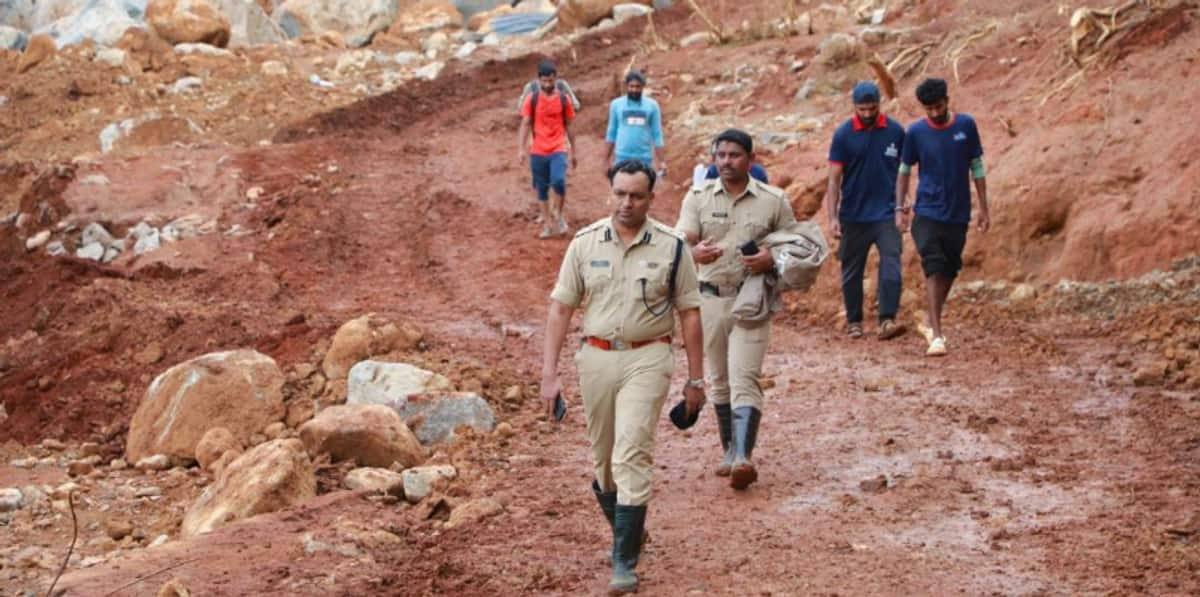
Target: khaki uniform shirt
[(597, 266), (709, 212)]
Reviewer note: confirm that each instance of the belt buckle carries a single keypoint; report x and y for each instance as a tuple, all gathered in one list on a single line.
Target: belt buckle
[(618, 345)]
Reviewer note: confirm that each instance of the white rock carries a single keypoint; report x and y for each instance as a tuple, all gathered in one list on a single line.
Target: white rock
[(110, 254), (274, 68), (1022, 293), (114, 57), (356, 20), (249, 24), (621, 12), (56, 249), (437, 42), (159, 540), (405, 58), (96, 233), (146, 492), (204, 49), (147, 242), (10, 499), (354, 60), (157, 462), (71, 22), (390, 384), (186, 84), (318, 81), (491, 40), (23, 462), (95, 179), (419, 481), (36, 241), (465, 50), (696, 38), (430, 71), (93, 251), (17, 14)]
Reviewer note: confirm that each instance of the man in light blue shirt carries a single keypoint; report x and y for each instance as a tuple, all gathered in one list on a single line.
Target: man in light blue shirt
[(635, 127)]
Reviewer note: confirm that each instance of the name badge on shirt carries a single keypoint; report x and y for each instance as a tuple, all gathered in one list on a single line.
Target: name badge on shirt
[(891, 151), (599, 263), (635, 120), (720, 214)]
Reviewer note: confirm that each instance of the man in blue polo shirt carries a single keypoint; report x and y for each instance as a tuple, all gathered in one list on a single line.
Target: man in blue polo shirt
[(635, 127), (947, 147), (863, 159)]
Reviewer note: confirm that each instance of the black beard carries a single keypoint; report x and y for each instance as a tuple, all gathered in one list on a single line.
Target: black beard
[(637, 97)]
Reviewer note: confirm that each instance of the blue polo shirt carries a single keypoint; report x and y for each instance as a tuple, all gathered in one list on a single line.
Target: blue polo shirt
[(944, 176), (634, 128), (870, 158)]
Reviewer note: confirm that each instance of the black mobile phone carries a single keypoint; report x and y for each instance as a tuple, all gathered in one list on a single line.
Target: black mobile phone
[(560, 407), (750, 248)]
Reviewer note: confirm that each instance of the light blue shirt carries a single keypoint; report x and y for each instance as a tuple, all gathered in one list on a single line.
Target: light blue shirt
[(634, 128)]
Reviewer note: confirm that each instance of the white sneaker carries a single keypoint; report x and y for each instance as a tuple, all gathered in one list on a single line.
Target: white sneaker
[(562, 225), (546, 233), (937, 347)]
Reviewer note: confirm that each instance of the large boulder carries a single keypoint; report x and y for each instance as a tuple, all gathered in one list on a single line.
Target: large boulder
[(380, 480), (272, 476), (12, 39), (102, 21), (580, 14), (357, 21), (368, 434), (363, 337), (249, 25), (188, 21), (17, 14), (240, 390)]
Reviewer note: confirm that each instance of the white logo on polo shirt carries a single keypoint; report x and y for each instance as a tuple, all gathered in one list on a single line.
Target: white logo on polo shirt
[(891, 151), (960, 136)]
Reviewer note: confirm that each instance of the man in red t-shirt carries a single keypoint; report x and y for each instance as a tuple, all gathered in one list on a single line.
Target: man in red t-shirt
[(550, 150)]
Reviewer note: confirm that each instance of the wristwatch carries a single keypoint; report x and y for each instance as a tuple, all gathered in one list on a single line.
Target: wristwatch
[(695, 383)]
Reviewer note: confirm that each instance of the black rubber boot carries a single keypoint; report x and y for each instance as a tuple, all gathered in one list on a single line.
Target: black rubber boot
[(607, 501), (745, 432), (724, 425), (627, 548)]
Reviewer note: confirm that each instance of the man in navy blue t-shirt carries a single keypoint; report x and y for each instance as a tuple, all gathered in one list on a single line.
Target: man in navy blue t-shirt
[(863, 160), (950, 154)]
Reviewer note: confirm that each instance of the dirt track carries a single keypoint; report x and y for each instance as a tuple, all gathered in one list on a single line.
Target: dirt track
[(1025, 463)]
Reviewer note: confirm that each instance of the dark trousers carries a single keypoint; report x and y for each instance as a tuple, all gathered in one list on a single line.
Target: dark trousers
[(855, 245)]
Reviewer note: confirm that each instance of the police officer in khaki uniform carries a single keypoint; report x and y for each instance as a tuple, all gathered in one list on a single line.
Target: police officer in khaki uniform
[(621, 270), (725, 220)]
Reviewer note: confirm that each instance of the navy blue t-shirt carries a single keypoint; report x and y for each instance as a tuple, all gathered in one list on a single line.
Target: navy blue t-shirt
[(870, 159), (944, 175), (756, 171)]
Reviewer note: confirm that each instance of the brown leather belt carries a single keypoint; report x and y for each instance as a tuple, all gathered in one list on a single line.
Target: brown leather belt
[(603, 344)]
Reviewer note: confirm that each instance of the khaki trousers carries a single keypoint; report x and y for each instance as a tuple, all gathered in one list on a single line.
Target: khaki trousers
[(733, 354), (623, 394)]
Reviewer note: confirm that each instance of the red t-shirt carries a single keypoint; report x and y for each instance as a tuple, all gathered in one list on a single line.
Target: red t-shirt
[(549, 133)]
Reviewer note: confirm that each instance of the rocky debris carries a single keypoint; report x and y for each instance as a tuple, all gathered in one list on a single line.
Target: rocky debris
[(274, 68), (269, 477), (1022, 293), (240, 390), (356, 21), (40, 48), (473, 511), (188, 21), (464, 51), (875, 485), (430, 71), (201, 49), (214, 444), (838, 50), (36, 241), (504, 429), (390, 384), (79, 468), (101, 21), (379, 480), (93, 251), (11, 499), (146, 238), (1154, 374), (434, 44), (96, 233), (363, 337), (173, 588), (420, 481), (369, 434), (186, 85), (117, 528), (425, 16)]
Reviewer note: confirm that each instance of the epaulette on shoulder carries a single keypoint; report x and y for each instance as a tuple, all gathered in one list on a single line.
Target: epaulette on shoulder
[(773, 190), (590, 228), (705, 186), (667, 230)]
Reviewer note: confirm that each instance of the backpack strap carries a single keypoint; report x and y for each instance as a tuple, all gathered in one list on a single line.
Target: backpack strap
[(533, 110)]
